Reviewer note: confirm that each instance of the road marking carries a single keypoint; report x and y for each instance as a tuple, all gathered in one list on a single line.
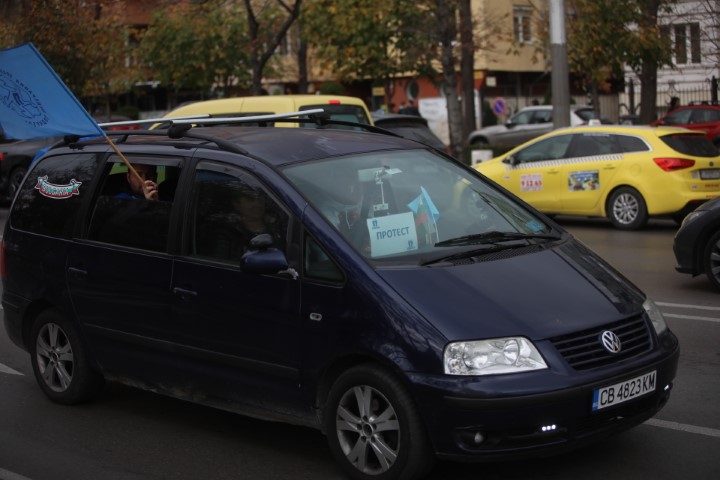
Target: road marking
[(688, 307), (710, 432), (683, 305), (6, 369), (690, 317)]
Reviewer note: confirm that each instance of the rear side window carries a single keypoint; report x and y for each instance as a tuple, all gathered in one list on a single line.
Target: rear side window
[(346, 113), (630, 144), (697, 145), (124, 216), (49, 200)]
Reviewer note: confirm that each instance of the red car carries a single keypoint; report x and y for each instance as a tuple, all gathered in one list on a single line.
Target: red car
[(695, 117)]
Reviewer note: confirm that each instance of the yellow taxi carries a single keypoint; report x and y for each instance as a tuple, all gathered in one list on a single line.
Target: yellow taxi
[(338, 107), (625, 173)]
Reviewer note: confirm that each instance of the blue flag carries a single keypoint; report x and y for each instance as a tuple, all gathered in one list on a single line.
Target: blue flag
[(35, 102)]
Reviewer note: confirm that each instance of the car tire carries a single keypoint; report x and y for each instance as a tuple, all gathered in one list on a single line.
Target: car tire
[(627, 209), (711, 259), (373, 427), (15, 181), (60, 362)]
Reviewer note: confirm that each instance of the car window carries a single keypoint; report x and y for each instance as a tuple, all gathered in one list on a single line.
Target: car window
[(399, 206), (548, 149), (705, 115), (591, 144), (697, 145), (542, 116), (229, 208), (522, 118), (347, 113), (50, 198), (678, 117), (318, 264), (630, 144), (120, 216)]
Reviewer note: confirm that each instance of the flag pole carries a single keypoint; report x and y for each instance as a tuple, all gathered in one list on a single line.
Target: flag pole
[(125, 160)]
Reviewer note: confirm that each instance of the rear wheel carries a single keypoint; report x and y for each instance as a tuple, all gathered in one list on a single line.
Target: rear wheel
[(14, 181), (711, 259), (374, 429), (59, 360), (627, 209)]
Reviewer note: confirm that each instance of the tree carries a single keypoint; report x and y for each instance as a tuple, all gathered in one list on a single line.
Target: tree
[(446, 17), (648, 52), (268, 24), (367, 39), (599, 40), (198, 46), (602, 39), (89, 58)]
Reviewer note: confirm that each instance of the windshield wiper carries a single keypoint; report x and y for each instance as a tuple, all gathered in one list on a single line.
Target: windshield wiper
[(488, 241), (493, 237)]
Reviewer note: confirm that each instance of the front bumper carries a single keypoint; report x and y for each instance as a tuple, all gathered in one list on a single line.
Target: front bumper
[(496, 427)]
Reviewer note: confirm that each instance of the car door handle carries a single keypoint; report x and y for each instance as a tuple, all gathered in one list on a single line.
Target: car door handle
[(184, 293), (554, 170)]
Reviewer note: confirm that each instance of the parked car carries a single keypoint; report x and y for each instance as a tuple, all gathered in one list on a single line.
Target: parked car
[(528, 123), (697, 242), (15, 158), (705, 118), (625, 173), (409, 126), (338, 107), (363, 299)]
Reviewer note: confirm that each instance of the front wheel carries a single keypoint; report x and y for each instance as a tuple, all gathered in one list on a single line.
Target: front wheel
[(711, 259), (59, 360), (627, 209), (374, 429)]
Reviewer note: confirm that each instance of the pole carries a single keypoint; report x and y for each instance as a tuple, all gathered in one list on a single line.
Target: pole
[(558, 50)]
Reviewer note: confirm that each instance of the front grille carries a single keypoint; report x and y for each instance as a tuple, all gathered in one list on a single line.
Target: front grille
[(584, 350)]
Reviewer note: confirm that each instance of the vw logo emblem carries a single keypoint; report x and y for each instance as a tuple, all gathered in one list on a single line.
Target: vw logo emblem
[(610, 341)]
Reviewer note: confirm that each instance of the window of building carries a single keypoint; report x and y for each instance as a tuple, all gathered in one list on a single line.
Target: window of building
[(522, 23), (685, 41)]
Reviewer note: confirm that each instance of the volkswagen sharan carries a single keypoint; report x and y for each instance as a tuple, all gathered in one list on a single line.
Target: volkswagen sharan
[(328, 278)]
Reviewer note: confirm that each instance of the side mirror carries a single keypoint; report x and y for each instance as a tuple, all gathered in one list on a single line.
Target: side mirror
[(264, 262), (511, 160), (509, 124), (262, 258)]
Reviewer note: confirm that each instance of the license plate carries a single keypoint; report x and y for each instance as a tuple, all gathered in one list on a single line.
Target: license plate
[(622, 392), (709, 174)]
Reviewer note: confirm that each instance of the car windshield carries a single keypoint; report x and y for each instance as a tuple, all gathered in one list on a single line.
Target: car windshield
[(415, 207)]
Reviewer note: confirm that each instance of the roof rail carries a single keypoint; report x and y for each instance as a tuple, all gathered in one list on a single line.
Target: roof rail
[(247, 119), (126, 123)]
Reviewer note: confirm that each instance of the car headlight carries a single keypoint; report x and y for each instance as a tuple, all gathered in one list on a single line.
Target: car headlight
[(656, 316), (493, 356)]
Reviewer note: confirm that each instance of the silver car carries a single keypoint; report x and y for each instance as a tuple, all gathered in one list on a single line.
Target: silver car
[(528, 123)]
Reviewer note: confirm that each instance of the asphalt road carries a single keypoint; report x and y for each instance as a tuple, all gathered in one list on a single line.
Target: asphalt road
[(132, 435)]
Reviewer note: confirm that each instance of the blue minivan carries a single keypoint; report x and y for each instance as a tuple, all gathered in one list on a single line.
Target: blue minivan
[(356, 282)]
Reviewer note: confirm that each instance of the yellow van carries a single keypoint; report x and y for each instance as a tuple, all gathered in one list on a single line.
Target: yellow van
[(339, 107)]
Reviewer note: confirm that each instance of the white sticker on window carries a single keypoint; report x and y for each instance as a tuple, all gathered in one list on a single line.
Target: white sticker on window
[(392, 234)]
